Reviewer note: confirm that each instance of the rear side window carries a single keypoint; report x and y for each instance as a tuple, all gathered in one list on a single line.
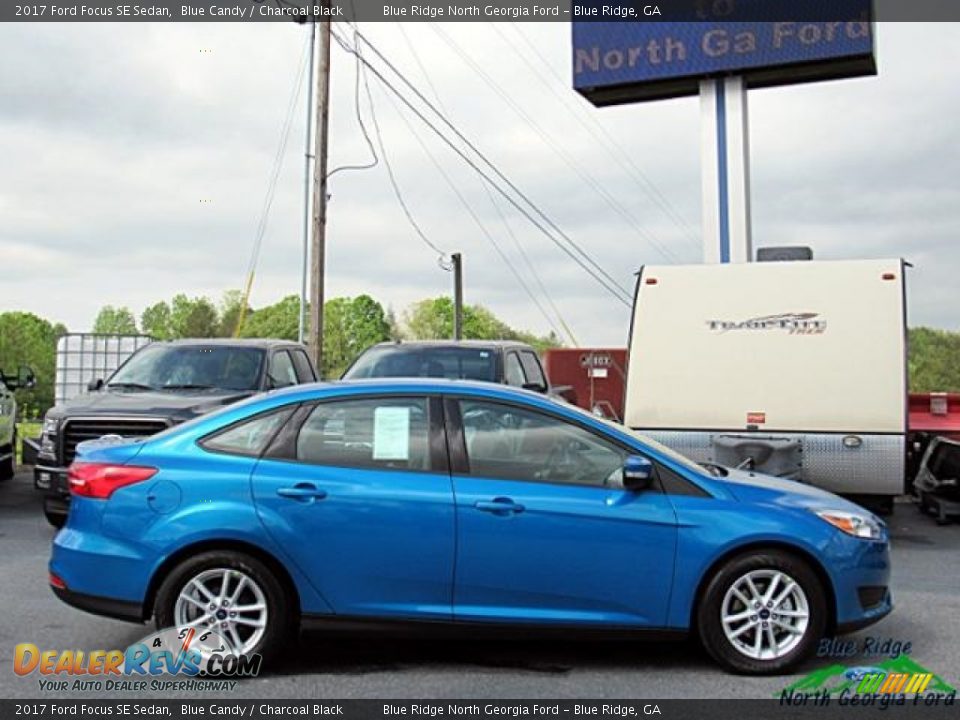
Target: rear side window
[(370, 433), (249, 437), (303, 367)]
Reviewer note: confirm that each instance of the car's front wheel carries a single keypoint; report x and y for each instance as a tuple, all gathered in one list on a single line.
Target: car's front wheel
[(762, 613), (232, 593)]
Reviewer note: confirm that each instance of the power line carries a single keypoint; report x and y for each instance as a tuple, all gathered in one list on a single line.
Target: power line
[(386, 160), (441, 116), (608, 141), (588, 264), (271, 188), (363, 128), (469, 208), (587, 178), (496, 206)]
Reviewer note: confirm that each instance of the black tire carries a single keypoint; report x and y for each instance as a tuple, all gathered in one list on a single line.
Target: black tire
[(281, 610), (7, 468), (54, 513), (710, 626)]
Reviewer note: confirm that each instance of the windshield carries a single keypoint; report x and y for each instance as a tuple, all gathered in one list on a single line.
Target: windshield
[(453, 363), (184, 367), (648, 441)]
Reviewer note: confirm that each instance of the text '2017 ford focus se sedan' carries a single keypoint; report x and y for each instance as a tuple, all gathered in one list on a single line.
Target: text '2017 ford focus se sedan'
[(461, 503)]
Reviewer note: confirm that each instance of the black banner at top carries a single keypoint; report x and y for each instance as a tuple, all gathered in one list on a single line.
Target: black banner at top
[(460, 10)]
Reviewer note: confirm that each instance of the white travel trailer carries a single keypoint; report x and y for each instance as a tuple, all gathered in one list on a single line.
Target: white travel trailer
[(795, 369)]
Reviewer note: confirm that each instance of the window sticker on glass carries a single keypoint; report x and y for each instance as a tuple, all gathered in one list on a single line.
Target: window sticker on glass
[(391, 433)]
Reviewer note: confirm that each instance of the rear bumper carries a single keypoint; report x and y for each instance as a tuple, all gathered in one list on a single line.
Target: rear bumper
[(101, 574), (108, 607)]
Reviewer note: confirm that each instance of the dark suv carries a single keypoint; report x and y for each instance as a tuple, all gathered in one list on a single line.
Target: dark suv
[(498, 361), (162, 384)]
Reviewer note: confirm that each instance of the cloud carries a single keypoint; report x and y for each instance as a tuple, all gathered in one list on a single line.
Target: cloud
[(137, 156)]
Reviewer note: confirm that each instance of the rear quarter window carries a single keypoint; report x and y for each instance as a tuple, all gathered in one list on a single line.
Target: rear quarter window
[(247, 437)]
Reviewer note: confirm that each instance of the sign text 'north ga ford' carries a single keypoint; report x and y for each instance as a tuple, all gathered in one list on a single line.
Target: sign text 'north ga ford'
[(629, 61)]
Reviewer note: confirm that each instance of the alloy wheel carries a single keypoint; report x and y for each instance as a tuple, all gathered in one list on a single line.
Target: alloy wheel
[(226, 600), (765, 614)]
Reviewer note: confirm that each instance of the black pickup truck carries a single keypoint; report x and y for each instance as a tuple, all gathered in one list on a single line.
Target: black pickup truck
[(162, 384)]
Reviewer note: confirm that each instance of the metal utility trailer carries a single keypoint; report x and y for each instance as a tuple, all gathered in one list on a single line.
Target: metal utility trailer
[(82, 357)]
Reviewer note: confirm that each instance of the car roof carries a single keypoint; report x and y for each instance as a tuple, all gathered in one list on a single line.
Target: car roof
[(453, 344), (405, 385), (231, 342)]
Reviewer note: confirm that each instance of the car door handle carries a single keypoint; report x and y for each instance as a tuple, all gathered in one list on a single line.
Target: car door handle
[(499, 506), (304, 492)]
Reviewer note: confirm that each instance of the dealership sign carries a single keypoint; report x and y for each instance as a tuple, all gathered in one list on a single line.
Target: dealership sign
[(804, 40)]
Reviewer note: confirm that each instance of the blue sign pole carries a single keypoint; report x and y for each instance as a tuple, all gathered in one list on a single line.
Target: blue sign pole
[(725, 171)]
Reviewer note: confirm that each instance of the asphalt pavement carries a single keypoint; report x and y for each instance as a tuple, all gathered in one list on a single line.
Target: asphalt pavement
[(926, 589)]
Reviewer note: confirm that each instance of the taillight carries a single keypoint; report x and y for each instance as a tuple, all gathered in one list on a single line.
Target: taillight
[(57, 582), (99, 480)]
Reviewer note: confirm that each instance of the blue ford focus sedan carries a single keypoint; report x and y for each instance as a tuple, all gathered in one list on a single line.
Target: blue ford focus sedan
[(463, 503)]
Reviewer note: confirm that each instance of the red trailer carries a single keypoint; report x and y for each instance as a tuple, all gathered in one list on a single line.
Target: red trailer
[(592, 378), (935, 413)]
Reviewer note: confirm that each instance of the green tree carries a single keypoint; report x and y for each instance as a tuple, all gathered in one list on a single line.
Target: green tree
[(115, 321), (229, 311), (155, 321), (432, 319), (193, 318), (350, 326), (934, 360), (26, 339), (280, 320)]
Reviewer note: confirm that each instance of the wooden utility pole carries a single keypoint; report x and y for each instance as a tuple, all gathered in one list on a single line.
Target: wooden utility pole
[(319, 198), (457, 296)]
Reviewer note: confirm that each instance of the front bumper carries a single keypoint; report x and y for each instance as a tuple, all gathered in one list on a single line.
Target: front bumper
[(861, 581), (51, 480)]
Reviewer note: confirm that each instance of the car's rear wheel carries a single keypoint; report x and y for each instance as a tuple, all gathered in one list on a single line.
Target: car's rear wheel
[(762, 613), (232, 593)]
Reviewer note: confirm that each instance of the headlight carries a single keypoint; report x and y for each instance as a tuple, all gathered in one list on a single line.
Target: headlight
[(50, 425), (861, 526)]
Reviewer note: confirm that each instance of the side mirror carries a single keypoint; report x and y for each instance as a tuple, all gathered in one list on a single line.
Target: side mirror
[(95, 385), (637, 473), (26, 378), (536, 387)]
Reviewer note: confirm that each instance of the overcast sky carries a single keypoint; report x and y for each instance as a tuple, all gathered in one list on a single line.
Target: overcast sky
[(136, 158)]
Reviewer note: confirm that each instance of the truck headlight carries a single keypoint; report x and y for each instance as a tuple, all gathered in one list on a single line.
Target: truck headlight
[(50, 425), (856, 524)]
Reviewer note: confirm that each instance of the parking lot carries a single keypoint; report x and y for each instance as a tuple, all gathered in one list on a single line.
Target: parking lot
[(925, 585)]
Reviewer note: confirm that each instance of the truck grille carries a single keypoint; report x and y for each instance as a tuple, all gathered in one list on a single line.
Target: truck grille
[(75, 431)]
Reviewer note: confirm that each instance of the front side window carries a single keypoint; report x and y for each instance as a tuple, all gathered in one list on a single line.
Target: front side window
[(249, 437), (512, 371), (304, 368), (386, 433), (531, 368), (282, 373), (512, 443)]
